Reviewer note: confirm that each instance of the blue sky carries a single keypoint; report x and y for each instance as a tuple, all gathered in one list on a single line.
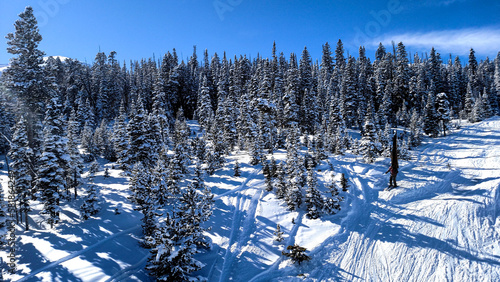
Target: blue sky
[(139, 29)]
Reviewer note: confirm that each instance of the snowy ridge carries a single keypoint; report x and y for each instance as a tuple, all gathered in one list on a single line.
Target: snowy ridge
[(440, 224)]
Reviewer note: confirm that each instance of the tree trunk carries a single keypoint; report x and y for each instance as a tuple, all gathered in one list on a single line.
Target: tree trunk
[(26, 219)]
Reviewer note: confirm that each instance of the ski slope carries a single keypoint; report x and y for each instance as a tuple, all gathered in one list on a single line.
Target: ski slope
[(439, 225)]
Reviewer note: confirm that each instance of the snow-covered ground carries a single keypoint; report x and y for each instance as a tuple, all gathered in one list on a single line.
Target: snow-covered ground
[(439, 225)]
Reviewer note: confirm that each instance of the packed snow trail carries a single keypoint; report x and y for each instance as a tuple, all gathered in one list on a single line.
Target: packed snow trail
[(440, 225)]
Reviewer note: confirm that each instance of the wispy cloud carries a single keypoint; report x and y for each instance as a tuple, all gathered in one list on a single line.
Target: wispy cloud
[(485, 41)]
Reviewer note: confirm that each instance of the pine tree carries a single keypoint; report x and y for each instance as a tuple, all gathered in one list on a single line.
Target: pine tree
[(25, 76), (478, 112), (332, 203), (313, 199), (496, 79), (53, 164), (139, 143), (120, 138), (205, 111), (90, 204), (266, 170), (293, 196), (296, 254), (280, 183), (236, 169), (344, 183), (369, 145), (431, 126), (415, 129), (21, 172), (172, 257), (469, 103), (278, 234), (443, 111), (75, 162), (50, 181)]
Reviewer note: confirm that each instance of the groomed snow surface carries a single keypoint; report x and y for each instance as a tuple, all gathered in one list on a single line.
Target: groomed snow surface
[(439, 225)]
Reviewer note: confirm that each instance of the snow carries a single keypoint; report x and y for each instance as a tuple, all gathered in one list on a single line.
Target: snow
[(440, 224), (3, 67)]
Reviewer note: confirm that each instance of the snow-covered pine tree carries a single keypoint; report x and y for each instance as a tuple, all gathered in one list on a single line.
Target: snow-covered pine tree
[(236, 169), (415, 128), (139, 143), (431, 126), (344, 184), (205, 110), (90, 204), (348, 93), (207, 200), (478, 111), (290, 97), (278, 234), (120, 138), (93, 169), (313, 198), (469, 103), (266, 170), (280, 182), (25, 76), (332, 203), (296, 254), (53, 164), (199, 149), (50, 181), (369, 146), (172, 257), (87, 142), (443, 111), (293, 195), (21, 172), (496, 80), (75, 162), (161, 193)]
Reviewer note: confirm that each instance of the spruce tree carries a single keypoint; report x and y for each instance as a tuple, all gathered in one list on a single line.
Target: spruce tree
[(75, 162), (120, 138), (443, 111), (90, 204), (332, 203), (280, 183), (313, 199), (369, 145), (172, 257), (236, 169), (430, 117), (53, 164), (21, 172), (296, 254), (278, 234), (25, 76)]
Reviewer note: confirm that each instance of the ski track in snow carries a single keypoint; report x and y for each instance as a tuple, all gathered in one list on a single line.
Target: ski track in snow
[(442, 230), (239, 236), (76, 254)]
